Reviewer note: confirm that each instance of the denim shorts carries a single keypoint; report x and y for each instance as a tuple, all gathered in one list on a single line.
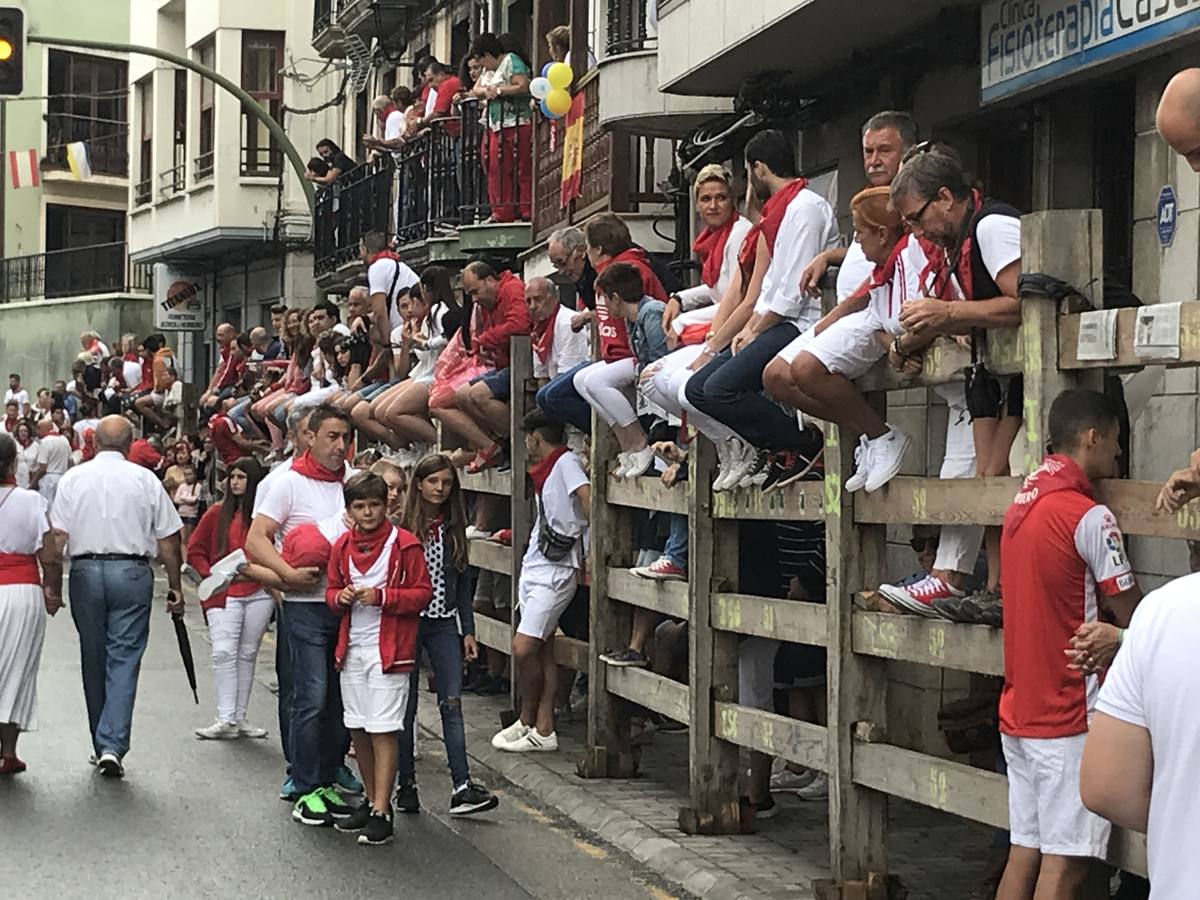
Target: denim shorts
[(371, 391), (499, 382)]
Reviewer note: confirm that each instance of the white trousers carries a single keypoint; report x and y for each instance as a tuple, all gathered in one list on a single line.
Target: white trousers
[(958, 545), (665, 387), (236, 632), (604, 386), (48, 487)]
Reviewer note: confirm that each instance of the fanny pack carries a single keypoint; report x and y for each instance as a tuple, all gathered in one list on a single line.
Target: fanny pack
[(552, 545), (983, 392)]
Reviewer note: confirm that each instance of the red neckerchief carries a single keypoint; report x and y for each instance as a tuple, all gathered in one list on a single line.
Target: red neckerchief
[(131, 357), (365, 547), (89, 444), (10, 481), (939, 264), (636, 257), (310, 468), (10, 425), (747, 252), (882, 275), (775, 207), (540, 471), (710, 247), (383, 254), (543, 335), (1056, 473)]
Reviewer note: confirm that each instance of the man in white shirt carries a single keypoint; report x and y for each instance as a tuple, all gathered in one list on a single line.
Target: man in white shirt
[(388, 279), (797, 224), (556, 346), (115, 517), (1143, 745), (53, 460), (17, 393)]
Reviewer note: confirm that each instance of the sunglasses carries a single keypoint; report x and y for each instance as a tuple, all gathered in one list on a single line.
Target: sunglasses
[(919, 544)]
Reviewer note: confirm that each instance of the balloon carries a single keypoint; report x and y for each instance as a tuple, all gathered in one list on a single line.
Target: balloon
[(546, 112), (540, 87), (546, 69), (558, 102), (560, 76)]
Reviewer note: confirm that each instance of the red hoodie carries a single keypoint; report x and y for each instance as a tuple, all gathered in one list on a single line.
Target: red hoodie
[(509, 316), (408, 591), (614, 338)]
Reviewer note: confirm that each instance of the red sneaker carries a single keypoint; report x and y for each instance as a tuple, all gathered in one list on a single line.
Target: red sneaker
[(918, 598), (662, 569), (503, 536)]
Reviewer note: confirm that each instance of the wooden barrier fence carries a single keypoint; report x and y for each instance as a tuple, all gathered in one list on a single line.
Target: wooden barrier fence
[(864, 769)]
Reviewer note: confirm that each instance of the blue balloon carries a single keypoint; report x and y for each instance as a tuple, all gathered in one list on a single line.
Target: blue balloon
[(546, 69), (545, 111)]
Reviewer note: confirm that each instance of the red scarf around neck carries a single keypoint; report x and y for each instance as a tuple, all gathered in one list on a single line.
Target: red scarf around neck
[(747, 252), (543, 335), (540, 471), (1056, 473), (940, 267), (310, 468), (882, 275), (365, 547), (710, 247), (384, 254), (10, 425), (775, 207)]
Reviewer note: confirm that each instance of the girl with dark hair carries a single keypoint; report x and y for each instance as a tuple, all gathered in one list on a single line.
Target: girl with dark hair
[(238, 616), (434, 511)]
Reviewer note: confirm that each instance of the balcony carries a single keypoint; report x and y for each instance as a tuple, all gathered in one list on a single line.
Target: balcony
[(107, 143), (627, 28), (336, 23), (77, 272), (360, 201)]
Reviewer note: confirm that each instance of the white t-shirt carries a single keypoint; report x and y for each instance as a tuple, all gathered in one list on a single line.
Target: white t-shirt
[(1152, 685), (21, 396), (702, 295), (391, 277), (83, 425), (54, 452), (131, 373), (568, 349), (854, 270), (562, 510), (393, 126), (999, 240), (808, 228), (884, 305), (24, 521), (364, 620), (290, 499)]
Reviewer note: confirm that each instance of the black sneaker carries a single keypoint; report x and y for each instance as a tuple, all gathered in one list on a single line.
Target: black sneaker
[(625, 658), (406, 798), (378, 831), (338, 808), (756, 473), (471, 798), (357, 821), (791, 467)]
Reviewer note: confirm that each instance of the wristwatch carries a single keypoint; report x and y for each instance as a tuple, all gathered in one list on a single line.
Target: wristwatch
[(896, 346)]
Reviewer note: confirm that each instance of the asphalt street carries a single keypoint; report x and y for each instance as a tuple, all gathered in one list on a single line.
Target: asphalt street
[(203, 819)]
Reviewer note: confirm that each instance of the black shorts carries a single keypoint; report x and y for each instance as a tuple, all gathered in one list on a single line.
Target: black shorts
[(995, 396)]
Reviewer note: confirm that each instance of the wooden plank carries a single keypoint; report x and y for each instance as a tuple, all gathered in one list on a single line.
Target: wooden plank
[(1133, 504), (521, 506), (796, 741), (656, 692), (785, 620), (945, 360), (968, 648), (571, 653), (936, 501), (489, 481), (800, 501), (493, 633), (647, 493), (667, 597), (1189, 341), (491, 556)]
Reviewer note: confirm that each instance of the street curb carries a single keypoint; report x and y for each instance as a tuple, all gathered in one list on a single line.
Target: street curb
[(667, 857)]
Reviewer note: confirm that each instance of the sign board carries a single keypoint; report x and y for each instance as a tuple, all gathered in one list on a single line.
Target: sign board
[(178, 300), (1168, 215), (1026, 43)]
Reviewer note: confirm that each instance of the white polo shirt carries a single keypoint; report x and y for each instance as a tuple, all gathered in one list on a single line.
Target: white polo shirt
[(54, 452), (110, 505)]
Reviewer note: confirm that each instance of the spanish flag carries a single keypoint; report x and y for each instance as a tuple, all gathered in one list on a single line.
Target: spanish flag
[(572, 167), (77, 159)]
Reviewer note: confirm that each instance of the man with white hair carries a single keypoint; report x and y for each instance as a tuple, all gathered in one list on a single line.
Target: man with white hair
[(115, 517), (391, 119), (557, 347)]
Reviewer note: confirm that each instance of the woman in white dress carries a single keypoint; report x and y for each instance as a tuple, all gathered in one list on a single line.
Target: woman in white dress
[(27, 451), (27, 592)]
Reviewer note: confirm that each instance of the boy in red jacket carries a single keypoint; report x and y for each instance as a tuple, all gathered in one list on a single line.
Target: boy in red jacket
[(378, 583)]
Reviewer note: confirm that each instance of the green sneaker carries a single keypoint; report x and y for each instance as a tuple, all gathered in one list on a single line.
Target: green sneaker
[(311, 809), (334, 804)]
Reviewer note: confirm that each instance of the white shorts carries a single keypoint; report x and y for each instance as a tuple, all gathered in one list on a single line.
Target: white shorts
[(849, 346), (792, 350), (543, 593), (372, 700), (1045, 811)]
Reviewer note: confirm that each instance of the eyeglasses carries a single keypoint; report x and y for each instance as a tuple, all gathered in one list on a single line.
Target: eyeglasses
[(915, 218), (919, 544)]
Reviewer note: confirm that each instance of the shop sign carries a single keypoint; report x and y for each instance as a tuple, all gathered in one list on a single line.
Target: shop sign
[(178, 300), (1026, 43)]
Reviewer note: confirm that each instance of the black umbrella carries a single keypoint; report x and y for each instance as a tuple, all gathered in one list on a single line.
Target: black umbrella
[(185, 649)]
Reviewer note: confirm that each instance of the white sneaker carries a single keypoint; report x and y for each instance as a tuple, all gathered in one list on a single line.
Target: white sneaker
[(862, 465), (501, 739), (742, 460), (477, 534), (729, 455), (246, 730), (637, 463), (787, 780), (756, 470), (622, 464), (532, 742), (818, 789), (218, 731), (887, 456)]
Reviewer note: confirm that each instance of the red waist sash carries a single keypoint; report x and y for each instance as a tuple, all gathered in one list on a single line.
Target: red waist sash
[(19, 568)]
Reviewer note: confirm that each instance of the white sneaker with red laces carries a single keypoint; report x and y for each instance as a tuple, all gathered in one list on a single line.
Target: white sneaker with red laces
[(918, 598)]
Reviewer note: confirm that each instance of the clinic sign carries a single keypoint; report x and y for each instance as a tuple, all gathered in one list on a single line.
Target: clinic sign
[(178, 300), (1026, 43)]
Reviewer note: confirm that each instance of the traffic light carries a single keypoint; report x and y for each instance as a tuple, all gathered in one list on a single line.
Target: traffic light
[(12, 50)]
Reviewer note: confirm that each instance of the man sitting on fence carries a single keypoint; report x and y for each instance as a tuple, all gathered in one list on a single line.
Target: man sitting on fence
[(1063, 556)]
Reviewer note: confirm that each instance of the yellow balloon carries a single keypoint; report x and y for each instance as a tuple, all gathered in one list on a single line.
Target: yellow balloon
[(560, 76), (558, 102)]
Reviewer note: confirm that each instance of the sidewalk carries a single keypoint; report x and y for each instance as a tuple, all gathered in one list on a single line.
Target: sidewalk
[(937, 856)]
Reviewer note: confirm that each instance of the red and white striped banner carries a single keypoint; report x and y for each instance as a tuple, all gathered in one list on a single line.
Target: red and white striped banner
[(23, 168)]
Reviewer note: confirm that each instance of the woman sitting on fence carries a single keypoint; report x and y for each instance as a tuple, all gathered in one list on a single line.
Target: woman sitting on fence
[(504, 84)]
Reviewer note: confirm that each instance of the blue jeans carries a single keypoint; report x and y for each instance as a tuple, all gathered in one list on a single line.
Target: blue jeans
[(318, 735), (676, 548), (283, 677), (443, 643), (239, 412), (560, 399), (110, 605)]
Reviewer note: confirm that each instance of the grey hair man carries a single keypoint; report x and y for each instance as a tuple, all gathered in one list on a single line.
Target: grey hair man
[(115, 517)]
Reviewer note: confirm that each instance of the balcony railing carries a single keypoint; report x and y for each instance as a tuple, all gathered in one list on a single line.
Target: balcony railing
[(171, 182), (627, 27), (358, 202), (97, 269), (107, 143), (322, 15), (202, 166), (262, 161), (143, 192)]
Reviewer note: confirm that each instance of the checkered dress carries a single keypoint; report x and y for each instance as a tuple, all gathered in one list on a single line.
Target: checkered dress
[(435, 561)]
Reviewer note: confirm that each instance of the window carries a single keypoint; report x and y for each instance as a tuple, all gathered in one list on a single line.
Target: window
[(262, 59), (88, 103), (85, 250), (206, 54), (145, 111), (173, 178)]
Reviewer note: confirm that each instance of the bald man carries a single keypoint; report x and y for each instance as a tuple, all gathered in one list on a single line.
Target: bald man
[(53, 460), (221, 384), (114, 518), (1178, 117)]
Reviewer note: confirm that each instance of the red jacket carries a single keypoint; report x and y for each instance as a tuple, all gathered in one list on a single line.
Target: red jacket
[(509, 316), (408, 591), (202, 553)]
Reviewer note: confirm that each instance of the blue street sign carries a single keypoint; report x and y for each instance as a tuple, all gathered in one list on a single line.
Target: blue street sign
[(1168, 215)]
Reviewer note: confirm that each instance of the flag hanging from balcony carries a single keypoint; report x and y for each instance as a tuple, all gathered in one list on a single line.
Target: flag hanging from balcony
[(79, 161), (23, 168), (572, 169)]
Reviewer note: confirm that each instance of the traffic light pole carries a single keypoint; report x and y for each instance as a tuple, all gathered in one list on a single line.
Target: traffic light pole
[(250, 104)]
